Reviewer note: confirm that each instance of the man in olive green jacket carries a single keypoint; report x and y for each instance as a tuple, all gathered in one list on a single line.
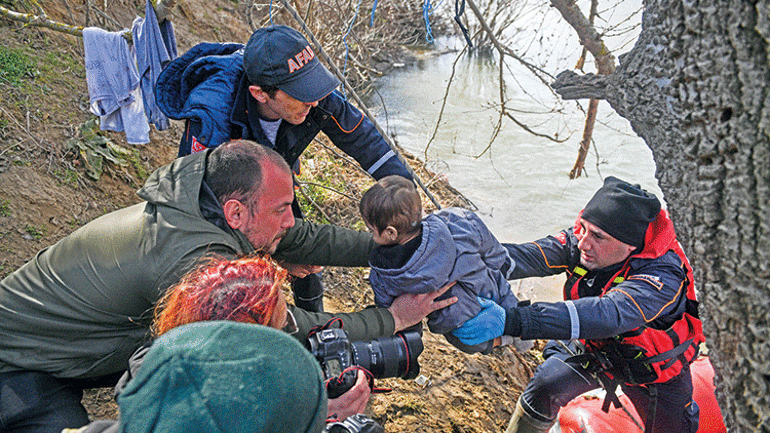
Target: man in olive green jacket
[(71, 317)]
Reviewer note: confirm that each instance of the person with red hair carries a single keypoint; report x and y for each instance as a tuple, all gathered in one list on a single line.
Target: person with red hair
[(71, 317), (248, 290), (241, 290)]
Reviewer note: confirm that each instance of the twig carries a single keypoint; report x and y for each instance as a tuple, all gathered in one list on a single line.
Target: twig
[(443, 102), (505, 50), (537, 134), (10, 146), (20, 126), (344, 157), (69, 11), (605, 65), (328, 188), (589, 37), (583, 54), (585, 143), (117, 25), (88, 13), (308, 198)]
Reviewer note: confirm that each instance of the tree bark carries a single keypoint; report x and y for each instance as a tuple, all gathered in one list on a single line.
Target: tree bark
[(696, 88)]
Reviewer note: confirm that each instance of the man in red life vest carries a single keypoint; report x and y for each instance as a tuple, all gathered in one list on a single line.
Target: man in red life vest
[(630, 314)]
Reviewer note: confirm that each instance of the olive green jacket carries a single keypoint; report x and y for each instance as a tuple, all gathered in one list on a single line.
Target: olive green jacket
[(82, 306)]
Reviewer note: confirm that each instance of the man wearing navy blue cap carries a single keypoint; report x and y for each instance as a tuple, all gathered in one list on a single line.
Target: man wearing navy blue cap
[(287, 87), (275, 91)]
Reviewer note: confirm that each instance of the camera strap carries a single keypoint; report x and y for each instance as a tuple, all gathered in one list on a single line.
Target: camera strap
[(347, 379), (328, 325)]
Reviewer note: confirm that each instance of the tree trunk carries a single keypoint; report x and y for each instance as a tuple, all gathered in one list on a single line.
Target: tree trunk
[(696, 88)]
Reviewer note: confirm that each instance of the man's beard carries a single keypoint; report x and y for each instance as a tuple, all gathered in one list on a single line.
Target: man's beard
[(270, 248)]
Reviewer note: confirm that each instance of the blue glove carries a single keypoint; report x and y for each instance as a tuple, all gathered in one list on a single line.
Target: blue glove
[(487, 325)]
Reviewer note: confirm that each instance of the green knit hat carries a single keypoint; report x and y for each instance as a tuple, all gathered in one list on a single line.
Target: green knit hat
[(225, 377)]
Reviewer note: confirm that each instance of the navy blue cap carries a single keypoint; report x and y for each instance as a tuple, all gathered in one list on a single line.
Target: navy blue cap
[(280, 56)]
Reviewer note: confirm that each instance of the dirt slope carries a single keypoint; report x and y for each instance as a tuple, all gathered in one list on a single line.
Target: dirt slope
[(46, 193)]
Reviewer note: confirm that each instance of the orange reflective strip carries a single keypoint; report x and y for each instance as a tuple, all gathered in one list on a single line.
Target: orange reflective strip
[(640, 308), (545, 259), (343, 129)]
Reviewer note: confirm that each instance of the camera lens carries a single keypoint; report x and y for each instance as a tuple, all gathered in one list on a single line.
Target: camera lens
[(394, 356)]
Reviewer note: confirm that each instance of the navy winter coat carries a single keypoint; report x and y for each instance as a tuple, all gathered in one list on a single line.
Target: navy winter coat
[(207, 87)]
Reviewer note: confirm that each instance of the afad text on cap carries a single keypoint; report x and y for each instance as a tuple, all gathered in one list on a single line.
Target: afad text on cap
[(301, 59)]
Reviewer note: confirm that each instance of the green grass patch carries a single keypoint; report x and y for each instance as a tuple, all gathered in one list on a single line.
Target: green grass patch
[(135, 160), (66, 176), (36, 232), (5, 208), (15, 66), (58, 64)]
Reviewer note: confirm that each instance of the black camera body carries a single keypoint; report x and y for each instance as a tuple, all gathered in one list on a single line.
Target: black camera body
[(394, 356), (358, 423)]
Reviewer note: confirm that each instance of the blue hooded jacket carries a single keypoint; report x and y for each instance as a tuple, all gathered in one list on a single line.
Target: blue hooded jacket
[(456, 246), (200, 86), (207, 87)]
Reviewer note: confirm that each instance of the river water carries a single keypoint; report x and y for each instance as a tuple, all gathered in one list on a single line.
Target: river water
[(520, 184)]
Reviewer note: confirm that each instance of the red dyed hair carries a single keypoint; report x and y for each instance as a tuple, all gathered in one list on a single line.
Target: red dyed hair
[(241, 290)]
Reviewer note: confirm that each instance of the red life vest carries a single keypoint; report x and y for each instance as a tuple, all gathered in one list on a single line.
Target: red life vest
[(659, 352)]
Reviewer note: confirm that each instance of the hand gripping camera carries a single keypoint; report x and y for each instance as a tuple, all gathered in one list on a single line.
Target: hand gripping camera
[(394, 356)]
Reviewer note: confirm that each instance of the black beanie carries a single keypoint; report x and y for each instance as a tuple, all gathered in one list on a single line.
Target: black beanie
[(622, 210)]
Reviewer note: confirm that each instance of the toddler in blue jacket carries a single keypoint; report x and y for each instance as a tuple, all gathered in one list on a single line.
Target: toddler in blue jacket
[(419, 255)]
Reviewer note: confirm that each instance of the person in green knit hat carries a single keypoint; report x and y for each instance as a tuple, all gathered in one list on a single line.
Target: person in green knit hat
[(222, 377)]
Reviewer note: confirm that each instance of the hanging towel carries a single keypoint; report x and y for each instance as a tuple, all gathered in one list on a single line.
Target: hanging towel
[(152, 55), (113, 85), (169, 38)]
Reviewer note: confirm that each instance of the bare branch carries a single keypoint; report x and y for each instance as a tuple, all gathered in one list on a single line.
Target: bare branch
[(605, 65), (342, 156), (589, 37), (591, 15), (443, 102), (43, 21), (569, 85), (330, 189), (35, 139), (164, 9), (310, 199), (585, 143), (535, 133), (540, 73)]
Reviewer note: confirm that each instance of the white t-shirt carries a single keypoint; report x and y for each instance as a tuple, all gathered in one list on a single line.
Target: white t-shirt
[(270, 128)]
